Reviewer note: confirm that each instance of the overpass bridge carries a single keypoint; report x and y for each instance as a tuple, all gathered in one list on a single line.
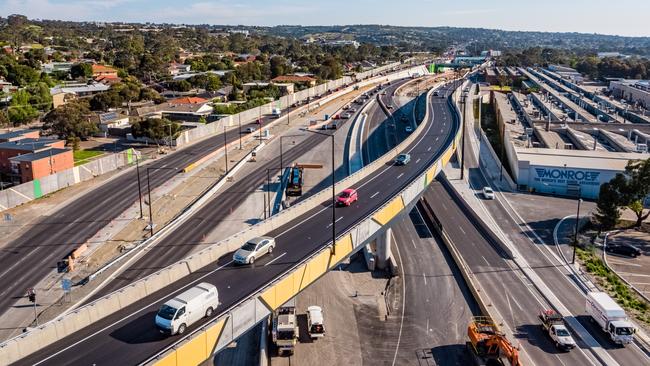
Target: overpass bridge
[(119, 326)]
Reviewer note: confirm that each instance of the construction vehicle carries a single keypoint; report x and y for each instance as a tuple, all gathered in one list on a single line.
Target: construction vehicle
[(489, 345), (285, 328), (553, 324)]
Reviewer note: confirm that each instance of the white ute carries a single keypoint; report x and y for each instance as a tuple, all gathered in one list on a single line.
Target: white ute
[(187, 308), (315, 322), (554, 325)]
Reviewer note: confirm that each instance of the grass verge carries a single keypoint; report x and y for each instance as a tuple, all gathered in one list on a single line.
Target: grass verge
[(84, 156)]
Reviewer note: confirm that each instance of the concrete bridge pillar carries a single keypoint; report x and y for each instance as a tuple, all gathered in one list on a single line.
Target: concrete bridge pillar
[(383, 248)]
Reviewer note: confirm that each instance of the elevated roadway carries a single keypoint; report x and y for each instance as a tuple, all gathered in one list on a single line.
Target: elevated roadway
[(129, 336)]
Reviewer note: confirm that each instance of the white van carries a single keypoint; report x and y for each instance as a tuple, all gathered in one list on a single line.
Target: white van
[(187, 308)]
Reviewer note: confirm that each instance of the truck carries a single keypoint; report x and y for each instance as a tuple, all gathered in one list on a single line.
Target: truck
[(179, 313), (553, 324), (610, 317), (315, 325), (285, 328)]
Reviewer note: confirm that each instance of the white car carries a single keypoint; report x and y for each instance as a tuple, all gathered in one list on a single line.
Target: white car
[(250, 129), (488, 193), (408, 129), (254, 249)]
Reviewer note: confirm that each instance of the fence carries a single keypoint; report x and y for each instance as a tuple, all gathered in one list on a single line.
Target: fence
[(26, 192)]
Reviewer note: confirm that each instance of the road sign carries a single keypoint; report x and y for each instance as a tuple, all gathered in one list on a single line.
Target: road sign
[(66, 284)]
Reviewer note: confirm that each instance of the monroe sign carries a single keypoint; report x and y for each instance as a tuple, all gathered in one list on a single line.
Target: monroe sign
[(567, 176)]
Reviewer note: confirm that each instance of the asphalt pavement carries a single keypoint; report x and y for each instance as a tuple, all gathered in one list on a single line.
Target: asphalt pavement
[(129, 336)]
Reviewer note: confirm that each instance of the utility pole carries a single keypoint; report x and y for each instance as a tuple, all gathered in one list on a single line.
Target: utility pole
[(137, 169)]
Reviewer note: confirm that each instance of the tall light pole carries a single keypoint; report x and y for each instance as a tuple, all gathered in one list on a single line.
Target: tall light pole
[(462, 152), (333, 189), (225, 146), (239, 114), (150, 204), (137, 169), (575, 236)]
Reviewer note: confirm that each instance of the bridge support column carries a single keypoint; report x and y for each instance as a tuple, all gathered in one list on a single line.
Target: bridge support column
[(383, 248)]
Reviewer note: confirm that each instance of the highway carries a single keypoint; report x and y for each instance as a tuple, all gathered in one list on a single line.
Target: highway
[(181, 242), (538, 249), (129, 336), (29, 258)]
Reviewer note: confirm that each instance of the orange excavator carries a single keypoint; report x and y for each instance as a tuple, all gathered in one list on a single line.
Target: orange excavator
[(490, 345)]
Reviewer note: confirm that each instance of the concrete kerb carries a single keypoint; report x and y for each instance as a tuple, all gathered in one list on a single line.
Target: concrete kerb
[(134, 292)]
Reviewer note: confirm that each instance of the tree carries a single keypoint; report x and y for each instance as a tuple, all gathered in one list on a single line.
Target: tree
[(609, 199), (4, 119), (157, 129), (70, 120), (20, 110), (636, 188), (81, 70)]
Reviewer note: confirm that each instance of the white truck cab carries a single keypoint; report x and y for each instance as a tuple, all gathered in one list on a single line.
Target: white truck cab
[(610, 317), (315, 322), (177, 314)]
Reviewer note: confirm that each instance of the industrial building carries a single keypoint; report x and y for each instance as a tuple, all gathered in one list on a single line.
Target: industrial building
[(559, 141)]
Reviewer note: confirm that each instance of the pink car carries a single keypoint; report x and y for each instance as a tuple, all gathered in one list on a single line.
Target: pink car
[(347, 197)]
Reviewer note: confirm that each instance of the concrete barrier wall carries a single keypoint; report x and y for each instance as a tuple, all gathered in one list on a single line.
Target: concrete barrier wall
[(291, 282), (35, 339), (26, 192)]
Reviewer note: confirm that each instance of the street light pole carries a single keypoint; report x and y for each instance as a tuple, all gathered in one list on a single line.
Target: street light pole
[(462, 153), (225, 146), (268, 190), (333, 190), (575, 237), (150, 204), (137, 169), (239, 114)]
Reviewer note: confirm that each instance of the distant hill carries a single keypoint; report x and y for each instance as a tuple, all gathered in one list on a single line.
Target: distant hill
[(435, 38)]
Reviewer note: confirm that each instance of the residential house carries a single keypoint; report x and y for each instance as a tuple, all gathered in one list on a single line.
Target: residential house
[(108, 79), (64, 93), (175, 68), (25, 146), (294, 79), (39, 164), (111, 122), (188, 100), (176, 111), (7, 87), (102, 70), (51, 67), (11, 136)]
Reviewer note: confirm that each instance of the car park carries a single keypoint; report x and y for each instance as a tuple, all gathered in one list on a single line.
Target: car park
[(347, 197), (253, 249), (623, 249), (403, 159), (488, 193)]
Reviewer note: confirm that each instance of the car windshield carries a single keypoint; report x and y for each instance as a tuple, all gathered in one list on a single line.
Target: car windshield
[(402, 157), (562, 332), (624, 331), (167, 312), (249, 247), (488, 190), (345, 195)]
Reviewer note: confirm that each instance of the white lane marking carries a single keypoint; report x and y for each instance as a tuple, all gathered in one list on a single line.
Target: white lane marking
[(339, 219), (275, 259), (414, 246), (132, 314), (427, 325), (429, 149), (374, 195), (417, 161), (400, 176), (425, 279), (461, 229), (485, 260)]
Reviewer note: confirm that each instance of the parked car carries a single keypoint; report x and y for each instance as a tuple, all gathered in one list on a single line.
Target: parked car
[(347, 197), (253, 249), (403, 159), (623, 249), (408, 129), (488, 193)]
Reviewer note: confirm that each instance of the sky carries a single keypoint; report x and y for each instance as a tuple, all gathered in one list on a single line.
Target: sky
[(620, 17)]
